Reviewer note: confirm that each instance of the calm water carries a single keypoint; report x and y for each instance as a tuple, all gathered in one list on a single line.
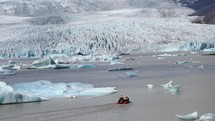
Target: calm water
[(197, 92)]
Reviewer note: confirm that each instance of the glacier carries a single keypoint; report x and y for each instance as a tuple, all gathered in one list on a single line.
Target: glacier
[(45, 90), (92, 27)]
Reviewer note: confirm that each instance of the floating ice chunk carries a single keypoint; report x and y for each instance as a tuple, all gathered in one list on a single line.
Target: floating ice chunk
[(207, 117), (4, 72), (165, 55), (201, 67), (150, 86), (46, 89), (61, 66), (131, 74), (167, 85), (209, 50), (115, 62), (181, 62), (97, 91), (174, 89), (12, 65), (192, 116), (7, 95), (60, 58), (51, 61), (86, 66), (171, 88), (161, 58), (42, 63)]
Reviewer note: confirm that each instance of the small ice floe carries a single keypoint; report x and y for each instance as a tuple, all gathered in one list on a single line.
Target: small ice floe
[(181, 62), (201, 67), (192, 52), (171, 88), (207, 117), (167, 85), (161, 58), (165, 55), (174, 89), (131, 74), (192, 116), (73, 96), (120, 69), (115, 62), (150, 86), (86, 66)]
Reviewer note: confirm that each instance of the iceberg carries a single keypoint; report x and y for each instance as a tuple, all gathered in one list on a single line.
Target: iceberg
[(167, 85), (8, 96), (207, 117), (46, 89), (192, 116), (174, 89), (56, 61)]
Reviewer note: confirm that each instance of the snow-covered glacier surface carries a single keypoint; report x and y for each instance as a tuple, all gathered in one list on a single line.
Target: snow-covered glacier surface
[(143, 35), (43, 90)]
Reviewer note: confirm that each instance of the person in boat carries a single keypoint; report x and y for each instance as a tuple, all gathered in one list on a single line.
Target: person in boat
[(120, 100), (126, 100)]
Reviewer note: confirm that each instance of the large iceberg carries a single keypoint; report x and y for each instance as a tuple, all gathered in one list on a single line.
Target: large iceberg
[(8, 95), (43, 90)]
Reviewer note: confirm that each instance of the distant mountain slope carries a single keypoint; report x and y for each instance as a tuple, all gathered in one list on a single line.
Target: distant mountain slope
[(53, 7), (195, 4), (208, 12), (204, 8)]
